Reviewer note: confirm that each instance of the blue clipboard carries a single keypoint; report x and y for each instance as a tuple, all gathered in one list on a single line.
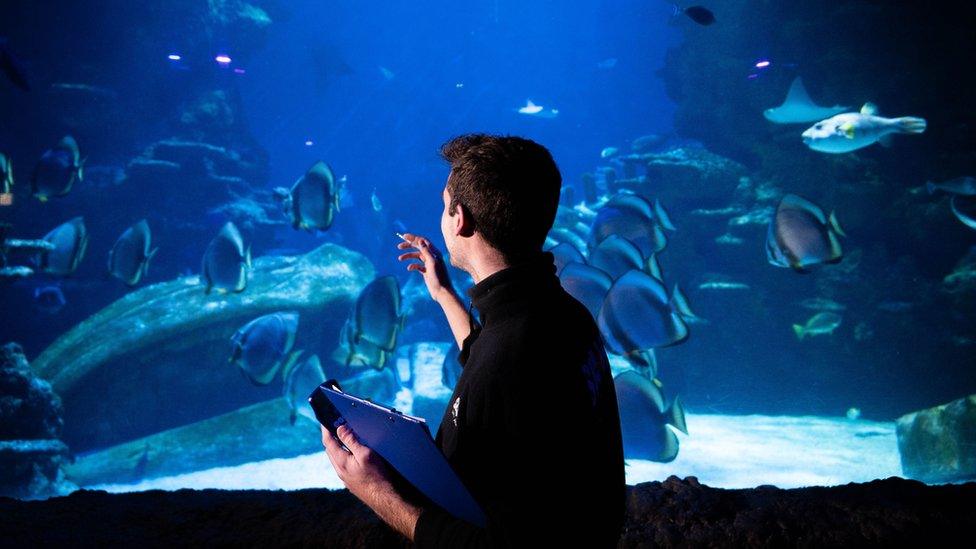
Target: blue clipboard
[(404, 442)]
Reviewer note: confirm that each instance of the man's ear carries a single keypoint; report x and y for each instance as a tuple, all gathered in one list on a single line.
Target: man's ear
[(464, 224)]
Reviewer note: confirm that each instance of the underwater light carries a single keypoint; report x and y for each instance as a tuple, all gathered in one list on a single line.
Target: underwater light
[(222, 59), (309, 142), (174, 57), (762, 64)]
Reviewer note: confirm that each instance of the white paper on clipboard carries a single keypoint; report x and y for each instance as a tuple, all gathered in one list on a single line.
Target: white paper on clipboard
[(405, 443)]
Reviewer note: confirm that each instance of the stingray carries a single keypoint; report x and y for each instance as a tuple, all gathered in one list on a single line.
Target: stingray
[(798, 108)]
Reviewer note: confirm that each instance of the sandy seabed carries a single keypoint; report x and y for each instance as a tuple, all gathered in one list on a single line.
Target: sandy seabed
[(723, 452)]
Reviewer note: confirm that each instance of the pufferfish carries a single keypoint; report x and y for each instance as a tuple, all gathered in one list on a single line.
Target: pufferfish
[(850, 131)]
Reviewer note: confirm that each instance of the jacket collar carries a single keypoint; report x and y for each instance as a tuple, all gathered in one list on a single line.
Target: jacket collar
[(513, 284)]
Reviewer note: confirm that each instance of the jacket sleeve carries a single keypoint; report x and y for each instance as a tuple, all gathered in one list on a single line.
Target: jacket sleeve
[(436, 528)]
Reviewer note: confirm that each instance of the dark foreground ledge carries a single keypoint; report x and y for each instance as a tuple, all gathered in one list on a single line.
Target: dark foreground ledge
[(670, 513)]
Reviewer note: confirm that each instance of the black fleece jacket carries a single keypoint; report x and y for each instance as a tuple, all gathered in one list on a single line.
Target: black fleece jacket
[(532, 428)]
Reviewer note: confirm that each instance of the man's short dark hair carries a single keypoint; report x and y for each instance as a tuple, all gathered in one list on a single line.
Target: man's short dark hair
[(508, 185)]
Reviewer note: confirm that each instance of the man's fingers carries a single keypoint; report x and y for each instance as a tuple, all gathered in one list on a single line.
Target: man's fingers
[(337, 455), (409, 255), (416, 267), (348, 437)]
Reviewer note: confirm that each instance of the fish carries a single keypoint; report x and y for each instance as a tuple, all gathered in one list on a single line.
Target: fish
[(362, 353), (647, 143), (616, 255), (327, 65), (662, 216), (851, 131), (608, 152), (963, 186), (18, 271), (723, 285), (891, 306), (387, 73), (822, 304), (12, 67), (653, 267), (632, 217), (538, 111), (226, 263), (451, 367), (129, 257), (375, 201), (644, 420), (823, 323), (607, 63), (565, 253), (699, 14), (638, 314), (300, 379), (263, 345), (798, 108), (57, 170), (853, 413), (800, 236), (6, 174), (313, 200), (729, 210), (964, 208), (70, 240), (680, 304), (756, 216), (378, 317), (88, 89), (728, 239), (559, 234), (587, 284), (49, 299)]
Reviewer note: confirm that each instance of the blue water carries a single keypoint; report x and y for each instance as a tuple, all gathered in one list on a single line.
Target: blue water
[(375, 90)]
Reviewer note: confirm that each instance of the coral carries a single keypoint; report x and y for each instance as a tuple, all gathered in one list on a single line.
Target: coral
[(31, 454)]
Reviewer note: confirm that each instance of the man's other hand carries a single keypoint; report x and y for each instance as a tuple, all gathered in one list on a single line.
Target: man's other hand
[(363, 471), (368, 477)]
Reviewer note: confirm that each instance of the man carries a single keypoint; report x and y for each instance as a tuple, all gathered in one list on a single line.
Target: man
[(532, 428)]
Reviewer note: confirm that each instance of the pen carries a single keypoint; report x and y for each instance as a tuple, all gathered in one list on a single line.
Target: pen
[(401, 236)]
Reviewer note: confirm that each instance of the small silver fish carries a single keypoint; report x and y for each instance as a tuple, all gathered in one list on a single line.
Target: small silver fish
[(964, 185), (375, 201), (722, 285), (823, 323), (822, 304)]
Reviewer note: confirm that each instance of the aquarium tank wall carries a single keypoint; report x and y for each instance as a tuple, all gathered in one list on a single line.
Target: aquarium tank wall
[(769, 208)]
